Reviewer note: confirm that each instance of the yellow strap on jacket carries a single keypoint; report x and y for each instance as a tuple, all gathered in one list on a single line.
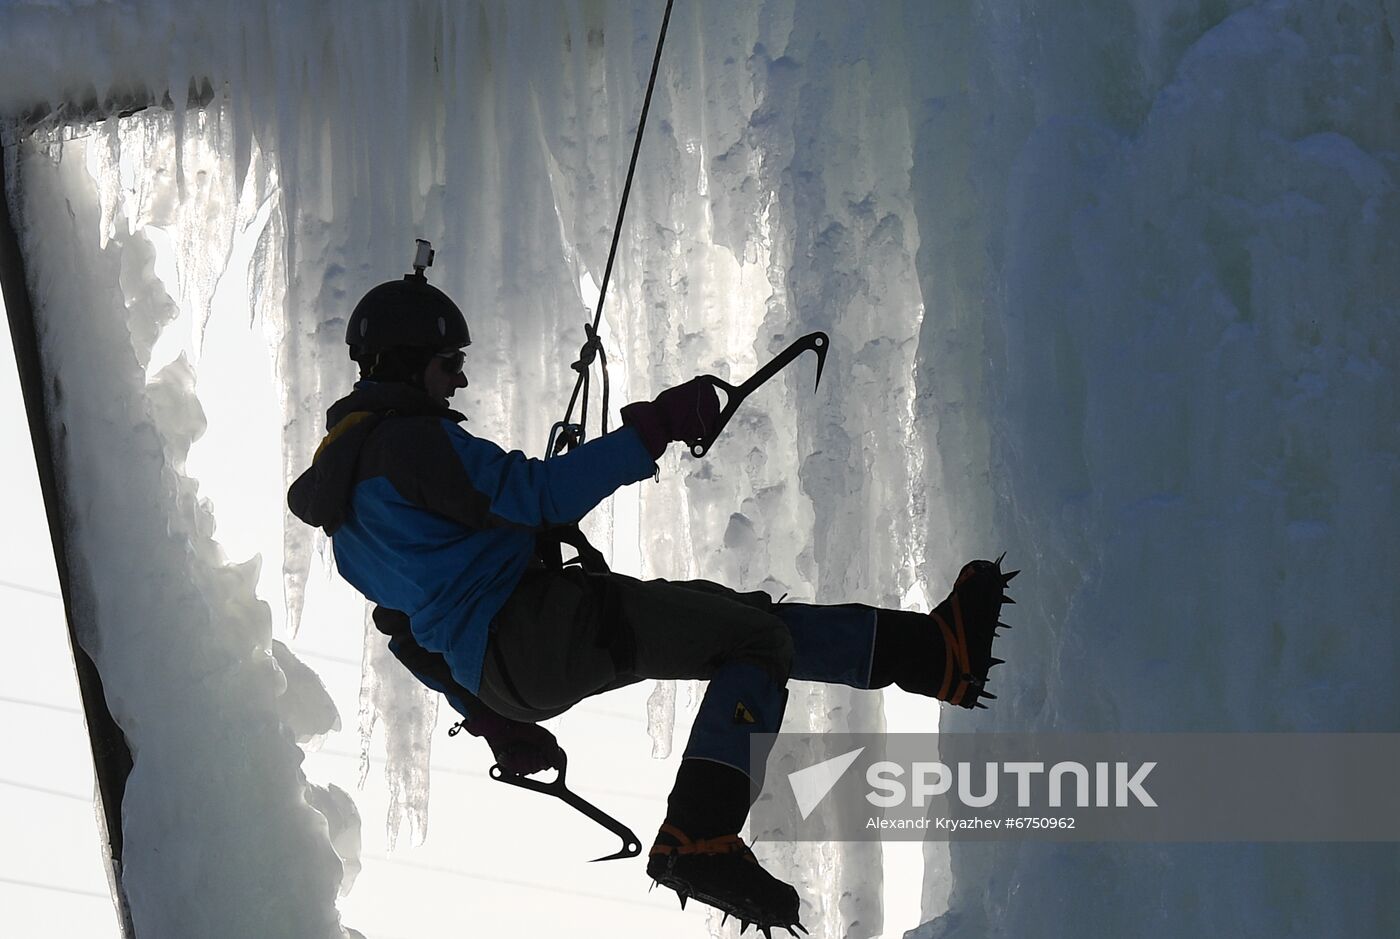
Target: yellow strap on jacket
[(347, 422)]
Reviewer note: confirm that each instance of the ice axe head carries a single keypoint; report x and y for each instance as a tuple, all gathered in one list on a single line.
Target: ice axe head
[(631, 847), (734, 395)]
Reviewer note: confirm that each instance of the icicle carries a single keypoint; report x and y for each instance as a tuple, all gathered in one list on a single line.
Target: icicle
[(661, 718), (409, 714)]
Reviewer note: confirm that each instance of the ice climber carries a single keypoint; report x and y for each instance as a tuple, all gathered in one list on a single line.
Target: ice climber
[(457, 542)]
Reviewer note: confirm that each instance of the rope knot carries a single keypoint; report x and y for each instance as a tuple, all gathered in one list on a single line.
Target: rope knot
[(590, 349)]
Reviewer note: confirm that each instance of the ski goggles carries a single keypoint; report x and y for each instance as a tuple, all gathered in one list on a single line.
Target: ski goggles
[(453, 359)]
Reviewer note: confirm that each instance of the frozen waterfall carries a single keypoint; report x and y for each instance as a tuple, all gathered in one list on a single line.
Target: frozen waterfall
[(1111, 287)]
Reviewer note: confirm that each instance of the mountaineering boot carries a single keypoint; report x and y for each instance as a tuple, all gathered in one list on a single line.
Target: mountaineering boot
[(949, 661), (698, 852)]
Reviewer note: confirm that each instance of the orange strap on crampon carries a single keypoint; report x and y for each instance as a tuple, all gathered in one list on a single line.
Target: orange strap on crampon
[(956, 644), (724, 844), (955, 641)]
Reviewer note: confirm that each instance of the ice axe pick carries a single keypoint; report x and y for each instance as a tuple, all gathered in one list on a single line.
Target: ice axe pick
[(817, 342), (631, 847)]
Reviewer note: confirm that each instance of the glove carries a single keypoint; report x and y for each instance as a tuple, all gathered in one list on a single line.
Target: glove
[(519, 748), (686, 412)]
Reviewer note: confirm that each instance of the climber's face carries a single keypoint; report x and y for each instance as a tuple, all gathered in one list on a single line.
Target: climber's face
[(443, 376)]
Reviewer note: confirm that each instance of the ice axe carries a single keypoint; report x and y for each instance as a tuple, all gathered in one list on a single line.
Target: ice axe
[(817, 342), (631, 847)]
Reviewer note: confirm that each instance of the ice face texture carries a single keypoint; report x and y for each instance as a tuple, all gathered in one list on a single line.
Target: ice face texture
[(1110, 288)]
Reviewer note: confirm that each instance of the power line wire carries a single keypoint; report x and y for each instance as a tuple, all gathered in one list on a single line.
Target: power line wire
[(307, 654), (551, 888), (48, 792), (53, 594), (478, 776), (56, 888), (29, 702)]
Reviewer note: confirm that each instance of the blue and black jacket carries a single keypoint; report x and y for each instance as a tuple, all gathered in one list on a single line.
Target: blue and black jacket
[(429, 520)]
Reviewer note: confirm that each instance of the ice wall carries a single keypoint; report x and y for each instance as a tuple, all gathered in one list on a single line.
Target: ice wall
[(215, 810), (1111, 287), (1163, 243)]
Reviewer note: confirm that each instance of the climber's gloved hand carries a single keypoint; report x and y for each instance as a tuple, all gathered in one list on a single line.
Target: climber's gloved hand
[(685, 413), (519, 748)]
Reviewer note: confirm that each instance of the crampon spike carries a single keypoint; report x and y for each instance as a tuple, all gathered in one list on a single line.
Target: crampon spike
[(979, 704), (988, 694), (767, 931), (681, 897), (800, 928), (995, 662), (1000, 559), (725, 920), (1006, 599), (1003, 625), (1006, 578)]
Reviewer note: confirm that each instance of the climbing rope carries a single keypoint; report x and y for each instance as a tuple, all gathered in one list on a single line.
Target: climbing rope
[(566, 435)]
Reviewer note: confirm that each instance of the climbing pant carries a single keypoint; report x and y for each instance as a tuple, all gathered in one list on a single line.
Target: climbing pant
[(563, 636)]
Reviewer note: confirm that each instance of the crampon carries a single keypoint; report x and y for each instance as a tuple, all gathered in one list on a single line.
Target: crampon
[(968, 619), (723, 873)]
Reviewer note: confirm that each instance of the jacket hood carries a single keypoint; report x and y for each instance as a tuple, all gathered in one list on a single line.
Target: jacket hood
[(321, 495)]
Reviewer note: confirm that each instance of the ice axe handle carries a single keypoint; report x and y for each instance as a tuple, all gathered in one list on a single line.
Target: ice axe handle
[(631, 847), (817, 342)]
